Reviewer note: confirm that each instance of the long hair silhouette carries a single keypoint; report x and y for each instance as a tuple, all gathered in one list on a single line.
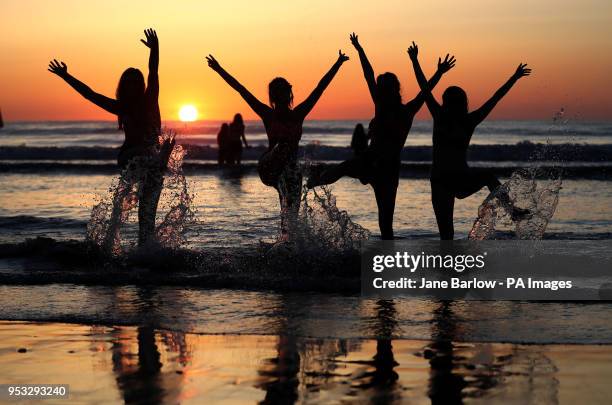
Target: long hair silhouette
[(280, 93), (238, 120), (130, 94), (388, 92), (455, 101)]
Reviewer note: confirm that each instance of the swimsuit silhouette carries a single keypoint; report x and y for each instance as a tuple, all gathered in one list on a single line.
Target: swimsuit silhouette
[(379, 164), (453, 127), (137, 110), (278, 165)]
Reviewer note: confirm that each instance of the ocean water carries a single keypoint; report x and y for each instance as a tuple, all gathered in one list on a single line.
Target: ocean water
[(54, 173), (122, 329), (332, 133)]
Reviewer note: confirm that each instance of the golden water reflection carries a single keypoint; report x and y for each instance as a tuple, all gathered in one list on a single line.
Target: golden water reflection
[(148, 365)]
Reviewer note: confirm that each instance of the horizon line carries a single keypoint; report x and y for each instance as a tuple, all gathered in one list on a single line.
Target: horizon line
[(306, 120)]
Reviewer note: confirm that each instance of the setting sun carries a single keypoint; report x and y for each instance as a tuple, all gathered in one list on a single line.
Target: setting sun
[(188, 113)]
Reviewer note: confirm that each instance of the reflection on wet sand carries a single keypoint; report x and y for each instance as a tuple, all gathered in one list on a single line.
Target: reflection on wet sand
[(151, 363), (139, 375), (463, 372), (380, 383), (146, 365)]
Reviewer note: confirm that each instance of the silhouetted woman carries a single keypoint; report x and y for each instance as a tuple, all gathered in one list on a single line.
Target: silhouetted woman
[(223, 144), (138, 115), (359, 141), (236, 138), (451, 177), (379, 165), (278, 166)]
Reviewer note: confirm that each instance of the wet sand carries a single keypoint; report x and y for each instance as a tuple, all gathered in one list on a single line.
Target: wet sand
[(144, 365)]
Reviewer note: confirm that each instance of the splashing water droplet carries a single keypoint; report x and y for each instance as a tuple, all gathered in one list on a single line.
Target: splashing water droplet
[(112, 212), (528, 189), (324, 226), (535, 189)]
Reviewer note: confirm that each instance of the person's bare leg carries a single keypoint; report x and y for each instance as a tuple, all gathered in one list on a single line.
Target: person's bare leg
[(332, 174), (290, 192), (385, 199), (516, 213), (123, 201), (150, 192), (443, 202)]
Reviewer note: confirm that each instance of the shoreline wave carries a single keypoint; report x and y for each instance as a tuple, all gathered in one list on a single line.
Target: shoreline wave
[(412, 170), (43, 261), (522, 151), (255, 127)]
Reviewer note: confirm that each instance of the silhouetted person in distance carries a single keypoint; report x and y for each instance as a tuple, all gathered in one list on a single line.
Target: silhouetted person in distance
[(453, 126), (223, 144), (359, 141), (137, 110), (236, 138), (278, 166), (380, 164)]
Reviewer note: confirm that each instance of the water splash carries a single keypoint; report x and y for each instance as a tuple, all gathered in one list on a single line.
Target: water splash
[(316, 225), (535, 189), (323, 226), (114, 210), (531, 189), (170, 232)]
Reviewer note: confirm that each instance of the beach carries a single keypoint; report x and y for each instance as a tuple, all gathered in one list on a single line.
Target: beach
[(219, 319), (148, 365)]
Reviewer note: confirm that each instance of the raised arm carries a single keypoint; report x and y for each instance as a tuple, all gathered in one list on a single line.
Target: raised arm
[(480, 114), (59, 68), (447, 64), (368, 71), (152, 43), (260, 108), (443, 67), (307, 105)]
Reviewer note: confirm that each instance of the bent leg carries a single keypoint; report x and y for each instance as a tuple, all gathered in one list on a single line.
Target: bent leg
[(443, 201), (334, 173), (478, 178), (473, 180), (385, 192)]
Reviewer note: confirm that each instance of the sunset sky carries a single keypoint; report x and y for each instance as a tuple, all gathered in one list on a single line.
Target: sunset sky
[(567, 43)]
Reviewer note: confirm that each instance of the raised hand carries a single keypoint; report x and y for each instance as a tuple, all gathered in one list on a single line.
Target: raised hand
[(355, 40), (413, 51), (447, 64), (342, 57), (212, 63), (151, 36), (521, 71), (59, 68)]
